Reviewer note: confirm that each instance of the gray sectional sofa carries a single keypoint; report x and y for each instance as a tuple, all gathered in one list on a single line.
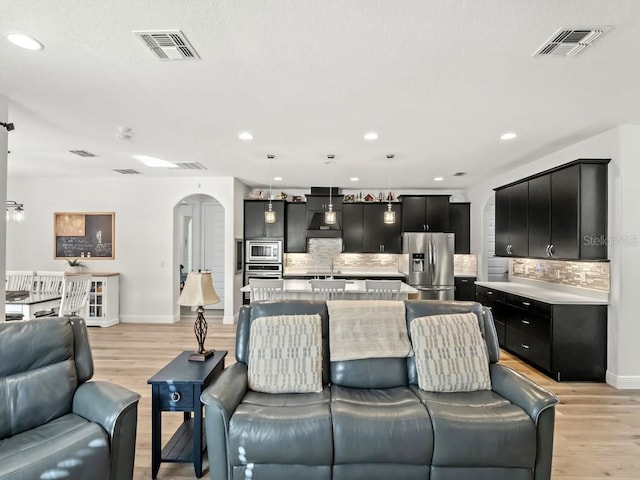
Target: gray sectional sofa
[(371, 421), (54, 422)]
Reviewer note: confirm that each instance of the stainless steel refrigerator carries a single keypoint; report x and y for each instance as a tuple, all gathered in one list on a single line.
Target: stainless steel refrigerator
[(430, 264)]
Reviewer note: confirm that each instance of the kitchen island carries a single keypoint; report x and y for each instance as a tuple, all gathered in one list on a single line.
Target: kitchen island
[(354, 290)]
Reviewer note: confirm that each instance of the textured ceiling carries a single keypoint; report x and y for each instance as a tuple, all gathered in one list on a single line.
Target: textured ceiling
[(439, 81)]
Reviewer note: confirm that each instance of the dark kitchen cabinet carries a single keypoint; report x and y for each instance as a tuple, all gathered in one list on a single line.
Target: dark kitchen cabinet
[(364, 231), (296, 237), (425, 213), (254, 225), (380, 237), (460, 225), (465, 288), (353, 227), (568, 212), (512, 238), (568, 342)]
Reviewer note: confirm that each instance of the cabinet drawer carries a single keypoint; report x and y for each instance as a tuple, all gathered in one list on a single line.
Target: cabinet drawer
[(529, 305), (531, 325), (491, 293), (529, 347), (176, 397)]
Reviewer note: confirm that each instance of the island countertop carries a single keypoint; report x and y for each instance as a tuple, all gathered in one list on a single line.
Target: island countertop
[(342, 273), (353, 289)]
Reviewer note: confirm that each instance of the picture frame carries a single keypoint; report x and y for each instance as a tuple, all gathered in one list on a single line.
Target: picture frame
[(88, 235)]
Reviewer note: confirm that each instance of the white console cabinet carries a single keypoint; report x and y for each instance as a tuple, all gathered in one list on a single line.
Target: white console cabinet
[(103, 308)]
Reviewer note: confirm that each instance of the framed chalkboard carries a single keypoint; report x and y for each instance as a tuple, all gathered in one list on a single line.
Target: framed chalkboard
[(84, 235)]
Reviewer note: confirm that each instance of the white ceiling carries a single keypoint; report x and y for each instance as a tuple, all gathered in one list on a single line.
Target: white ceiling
[(438, 80)]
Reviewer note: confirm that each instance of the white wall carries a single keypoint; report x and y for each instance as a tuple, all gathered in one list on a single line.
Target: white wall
[(622, 146), (4, 105), (144, 234)]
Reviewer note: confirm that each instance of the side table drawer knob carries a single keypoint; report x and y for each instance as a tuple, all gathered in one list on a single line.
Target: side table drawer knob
[(175, 397)]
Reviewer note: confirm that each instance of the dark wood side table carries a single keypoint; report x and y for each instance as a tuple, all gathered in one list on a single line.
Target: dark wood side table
[(177, 388)]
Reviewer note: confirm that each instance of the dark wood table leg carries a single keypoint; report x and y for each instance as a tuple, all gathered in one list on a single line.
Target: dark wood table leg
[(197, 434), (156, 431)]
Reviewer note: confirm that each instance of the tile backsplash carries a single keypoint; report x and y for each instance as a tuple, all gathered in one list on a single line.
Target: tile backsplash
[(592, 275), (465, 265), (320, 252)]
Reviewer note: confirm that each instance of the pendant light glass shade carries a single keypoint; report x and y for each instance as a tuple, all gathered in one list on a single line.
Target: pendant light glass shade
[(270, 215), (389, 215)]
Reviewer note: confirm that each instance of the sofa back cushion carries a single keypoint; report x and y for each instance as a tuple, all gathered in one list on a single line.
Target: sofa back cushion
[(248, 313), (421, 308), (41, 364)]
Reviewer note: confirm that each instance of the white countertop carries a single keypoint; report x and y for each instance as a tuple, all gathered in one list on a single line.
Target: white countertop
[(544, 294), (352, 286), (341, 272)]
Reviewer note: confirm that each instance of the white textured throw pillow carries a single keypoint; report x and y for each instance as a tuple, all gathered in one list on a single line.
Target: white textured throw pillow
[(451, 355), (285, 354)]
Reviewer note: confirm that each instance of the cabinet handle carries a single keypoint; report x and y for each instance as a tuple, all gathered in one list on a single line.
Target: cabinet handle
[(547, 250), (424, 227), (526, 304), (524, 345), (463, 280), (175, 397), (551, 250), (382, 247), (489, 293), (526, 322)]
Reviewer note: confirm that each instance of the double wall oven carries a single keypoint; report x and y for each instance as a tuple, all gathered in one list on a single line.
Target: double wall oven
[(263, 259)]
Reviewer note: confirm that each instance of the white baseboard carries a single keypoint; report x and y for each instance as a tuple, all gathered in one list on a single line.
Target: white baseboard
[(623, 382), (105, 322), (149, 318)]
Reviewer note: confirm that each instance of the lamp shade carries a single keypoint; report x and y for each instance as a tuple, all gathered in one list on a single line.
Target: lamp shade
[(198, 290)]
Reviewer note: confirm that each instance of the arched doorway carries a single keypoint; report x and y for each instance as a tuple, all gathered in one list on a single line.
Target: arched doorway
[(199, 240)]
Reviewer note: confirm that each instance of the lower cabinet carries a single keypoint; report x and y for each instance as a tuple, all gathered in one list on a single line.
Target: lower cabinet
[(566, 342), (465, 288)]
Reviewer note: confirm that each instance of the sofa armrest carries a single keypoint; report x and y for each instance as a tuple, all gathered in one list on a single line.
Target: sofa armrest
[(115, 408), (220, 400), (521, 391)]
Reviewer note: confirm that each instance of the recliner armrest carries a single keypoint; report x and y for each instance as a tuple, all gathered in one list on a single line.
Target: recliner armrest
[(228, 389), (521, 391), (103, 403)]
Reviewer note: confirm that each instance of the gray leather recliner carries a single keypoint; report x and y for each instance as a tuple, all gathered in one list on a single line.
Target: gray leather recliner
[(372, 421), (54, 423)]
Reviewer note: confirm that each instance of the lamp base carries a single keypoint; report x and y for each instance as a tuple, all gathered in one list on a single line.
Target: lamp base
[(200, 357)]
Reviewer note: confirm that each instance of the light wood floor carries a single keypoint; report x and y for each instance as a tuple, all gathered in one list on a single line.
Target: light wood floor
[(597, 433)]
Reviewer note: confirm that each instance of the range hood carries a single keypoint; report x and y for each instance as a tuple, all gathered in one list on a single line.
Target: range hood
[(317, 223), (316, 206)]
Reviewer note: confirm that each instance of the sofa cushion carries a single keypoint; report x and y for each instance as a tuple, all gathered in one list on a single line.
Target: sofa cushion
[(451, 355), (367, 329), (481, 432), (282, 431), (286, 354), (67, 447), (380, 426)]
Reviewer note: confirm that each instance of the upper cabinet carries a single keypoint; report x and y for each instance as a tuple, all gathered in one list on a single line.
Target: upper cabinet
[(511, 221), (568, 212), (364, 230), (459, 224), (296, 238), (425, 213), (254, 225), (560, 213)]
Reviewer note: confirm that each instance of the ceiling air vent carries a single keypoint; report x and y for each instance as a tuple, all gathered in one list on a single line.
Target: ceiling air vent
[(83, 153), (569, 42), (168, 44), (459, 174), (191, 166), (126, 171)]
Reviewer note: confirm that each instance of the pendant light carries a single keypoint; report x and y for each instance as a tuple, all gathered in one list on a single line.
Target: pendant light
[(270, 215), (389, 216), (330, 217)]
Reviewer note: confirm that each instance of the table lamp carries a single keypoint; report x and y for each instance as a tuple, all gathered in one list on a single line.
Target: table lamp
[(198, 291)]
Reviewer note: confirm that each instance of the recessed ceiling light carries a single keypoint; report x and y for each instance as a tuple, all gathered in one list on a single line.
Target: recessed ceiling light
[(245, 136), (24, 41), (354, 179), (277, 179), (154, 162), (508, 136), (371, 136), (438, 179)]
